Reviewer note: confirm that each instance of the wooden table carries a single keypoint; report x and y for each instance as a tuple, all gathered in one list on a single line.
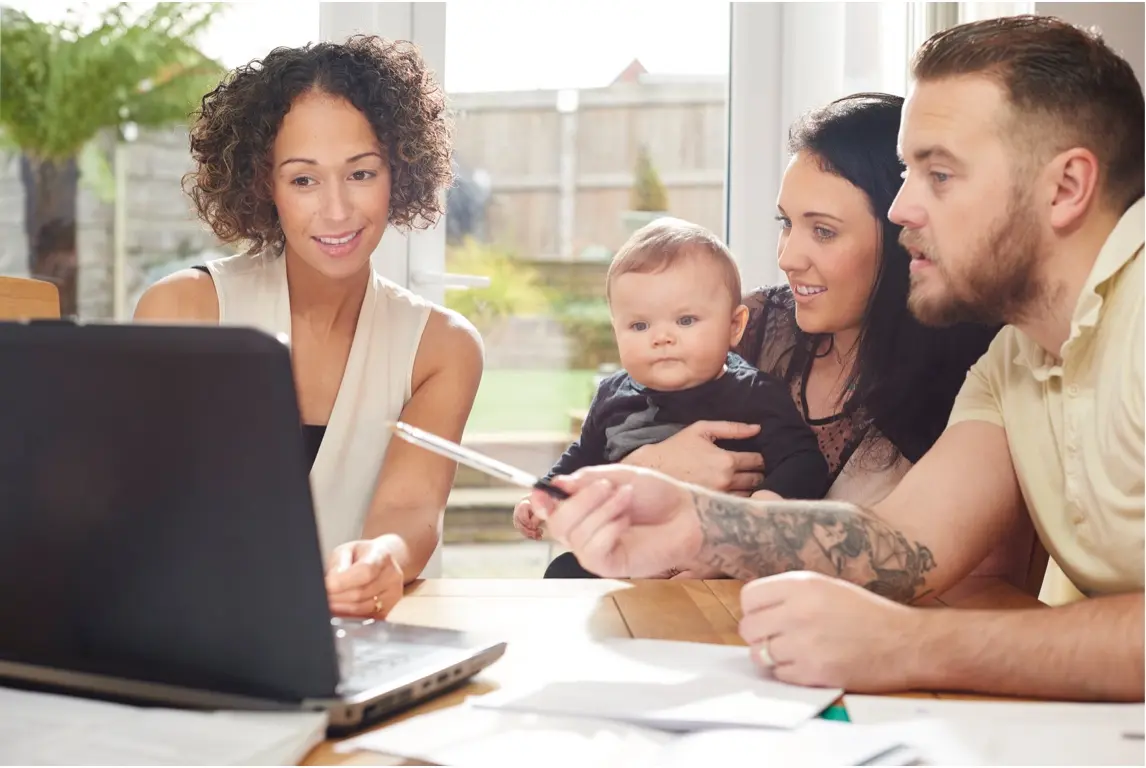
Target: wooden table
[(546, 620)]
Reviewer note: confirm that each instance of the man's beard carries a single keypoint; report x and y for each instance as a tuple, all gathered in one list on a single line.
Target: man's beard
[(999, 282)]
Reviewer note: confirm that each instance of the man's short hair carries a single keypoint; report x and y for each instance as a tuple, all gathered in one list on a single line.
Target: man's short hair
[(666, 241), (1067, 86)]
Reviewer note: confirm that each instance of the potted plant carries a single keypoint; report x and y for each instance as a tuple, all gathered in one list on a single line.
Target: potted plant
[(63, 85), (647, 198)]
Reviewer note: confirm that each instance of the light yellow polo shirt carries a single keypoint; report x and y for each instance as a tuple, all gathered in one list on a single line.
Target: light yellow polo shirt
[(1075, 429)]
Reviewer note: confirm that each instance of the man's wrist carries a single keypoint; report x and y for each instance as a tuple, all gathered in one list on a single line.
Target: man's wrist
[(699, 507), (693, 538), (935, 637)]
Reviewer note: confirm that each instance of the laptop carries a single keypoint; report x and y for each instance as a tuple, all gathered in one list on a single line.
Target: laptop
[(158, 543)]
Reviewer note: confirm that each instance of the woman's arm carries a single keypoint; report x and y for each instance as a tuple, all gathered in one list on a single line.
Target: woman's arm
[(187, 295), (414, 484)]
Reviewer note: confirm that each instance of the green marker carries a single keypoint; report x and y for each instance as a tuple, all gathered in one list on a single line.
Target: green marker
[(836, 712)]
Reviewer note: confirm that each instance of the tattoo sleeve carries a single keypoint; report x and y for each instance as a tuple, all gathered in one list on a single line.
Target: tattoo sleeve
[(748, 539)]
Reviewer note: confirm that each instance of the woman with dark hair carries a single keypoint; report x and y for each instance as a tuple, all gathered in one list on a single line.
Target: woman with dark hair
[(875, 384), (306, 158)]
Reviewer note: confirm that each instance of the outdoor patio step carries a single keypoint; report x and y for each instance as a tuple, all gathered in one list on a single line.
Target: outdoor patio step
[(482, 514), (531, 451)]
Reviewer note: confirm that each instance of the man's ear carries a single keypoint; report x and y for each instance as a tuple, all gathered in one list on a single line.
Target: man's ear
[(739, 323), (1073, 180)]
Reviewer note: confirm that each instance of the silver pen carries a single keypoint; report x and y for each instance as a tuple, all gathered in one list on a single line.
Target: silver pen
[(471, 458)]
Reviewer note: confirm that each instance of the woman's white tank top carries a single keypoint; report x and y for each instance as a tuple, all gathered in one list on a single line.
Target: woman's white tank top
[(376, 385)]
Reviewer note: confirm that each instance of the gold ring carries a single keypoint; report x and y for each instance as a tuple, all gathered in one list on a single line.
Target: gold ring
[(377, 604), (765, 655)]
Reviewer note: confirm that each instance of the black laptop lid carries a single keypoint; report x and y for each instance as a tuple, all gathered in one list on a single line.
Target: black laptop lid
[(155, 513)]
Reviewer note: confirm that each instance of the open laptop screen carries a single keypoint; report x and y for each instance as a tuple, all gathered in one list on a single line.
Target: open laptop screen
[(156, 522)]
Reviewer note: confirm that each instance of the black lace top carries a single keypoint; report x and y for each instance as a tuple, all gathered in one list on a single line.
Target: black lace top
[(772, 341)]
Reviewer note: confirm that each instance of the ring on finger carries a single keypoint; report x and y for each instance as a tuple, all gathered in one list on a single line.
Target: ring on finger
[(378, 605), (765, 654)]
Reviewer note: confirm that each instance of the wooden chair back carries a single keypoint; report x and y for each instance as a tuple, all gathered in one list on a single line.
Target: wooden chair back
[(23, 298)]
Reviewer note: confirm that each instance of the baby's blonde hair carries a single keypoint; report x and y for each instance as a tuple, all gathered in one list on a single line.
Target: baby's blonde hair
[(663, 242)]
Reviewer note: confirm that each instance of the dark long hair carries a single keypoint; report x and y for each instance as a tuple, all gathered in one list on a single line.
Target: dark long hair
[(906, 375)]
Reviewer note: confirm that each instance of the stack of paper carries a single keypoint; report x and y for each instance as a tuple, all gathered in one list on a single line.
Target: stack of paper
[(944, 732), (644, 703), (624, 703), (45, 729), (479, 738), (665, 684)]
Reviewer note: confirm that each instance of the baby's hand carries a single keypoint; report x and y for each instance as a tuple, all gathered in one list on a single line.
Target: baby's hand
[(526, 521)]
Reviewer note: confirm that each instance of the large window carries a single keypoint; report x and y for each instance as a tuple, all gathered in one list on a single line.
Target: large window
[(567, 117), (574, 127), (563, 114)]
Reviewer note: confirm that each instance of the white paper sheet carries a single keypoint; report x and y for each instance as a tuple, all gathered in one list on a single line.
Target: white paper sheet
[(880, 709), (487, 738), (969, 741), (815, 743), (664, 684), (477, 738), (46, 729)]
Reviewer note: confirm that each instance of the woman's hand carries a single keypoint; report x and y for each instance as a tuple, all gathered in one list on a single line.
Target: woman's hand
[(364, 579), (691, 456)]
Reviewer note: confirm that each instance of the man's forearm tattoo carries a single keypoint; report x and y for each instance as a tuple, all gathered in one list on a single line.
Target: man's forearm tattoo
[(747, 539)]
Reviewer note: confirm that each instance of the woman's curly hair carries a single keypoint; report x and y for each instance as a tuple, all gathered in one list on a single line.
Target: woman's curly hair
[(236, 124)]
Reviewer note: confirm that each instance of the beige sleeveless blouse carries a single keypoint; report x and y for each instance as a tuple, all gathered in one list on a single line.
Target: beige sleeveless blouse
[(376, 385)]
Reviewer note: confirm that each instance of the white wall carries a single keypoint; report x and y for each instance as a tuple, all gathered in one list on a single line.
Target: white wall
[(1123, 26)]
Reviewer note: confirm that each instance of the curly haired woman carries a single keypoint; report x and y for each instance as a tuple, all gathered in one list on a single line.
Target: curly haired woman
[(305, 158)]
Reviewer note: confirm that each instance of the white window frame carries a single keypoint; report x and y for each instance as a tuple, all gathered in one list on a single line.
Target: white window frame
[(785, 58), (788, 58), (414, 260), (979, 11)]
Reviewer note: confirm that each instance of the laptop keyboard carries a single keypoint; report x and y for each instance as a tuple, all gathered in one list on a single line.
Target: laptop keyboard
[(367, 663)]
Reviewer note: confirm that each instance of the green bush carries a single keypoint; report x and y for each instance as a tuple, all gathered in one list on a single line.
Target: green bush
[(648, 192), (515, 287), (586, 322)]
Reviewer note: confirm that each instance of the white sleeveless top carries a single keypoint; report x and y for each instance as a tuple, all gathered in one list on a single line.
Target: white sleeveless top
[(376, 385)]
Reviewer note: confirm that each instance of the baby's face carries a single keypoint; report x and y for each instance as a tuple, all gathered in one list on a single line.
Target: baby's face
[(674, 328)]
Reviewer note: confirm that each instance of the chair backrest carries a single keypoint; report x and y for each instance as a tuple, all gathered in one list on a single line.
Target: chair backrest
[(23, 298), (1037, 568)]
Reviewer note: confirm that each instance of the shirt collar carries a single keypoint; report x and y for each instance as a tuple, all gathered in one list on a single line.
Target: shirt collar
[(1121, 246)]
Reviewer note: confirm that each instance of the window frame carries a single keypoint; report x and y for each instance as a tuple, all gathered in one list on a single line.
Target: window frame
[(787, 58), (415, 259)]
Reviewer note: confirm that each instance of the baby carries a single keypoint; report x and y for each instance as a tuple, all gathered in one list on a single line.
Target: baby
[(674, 297)]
